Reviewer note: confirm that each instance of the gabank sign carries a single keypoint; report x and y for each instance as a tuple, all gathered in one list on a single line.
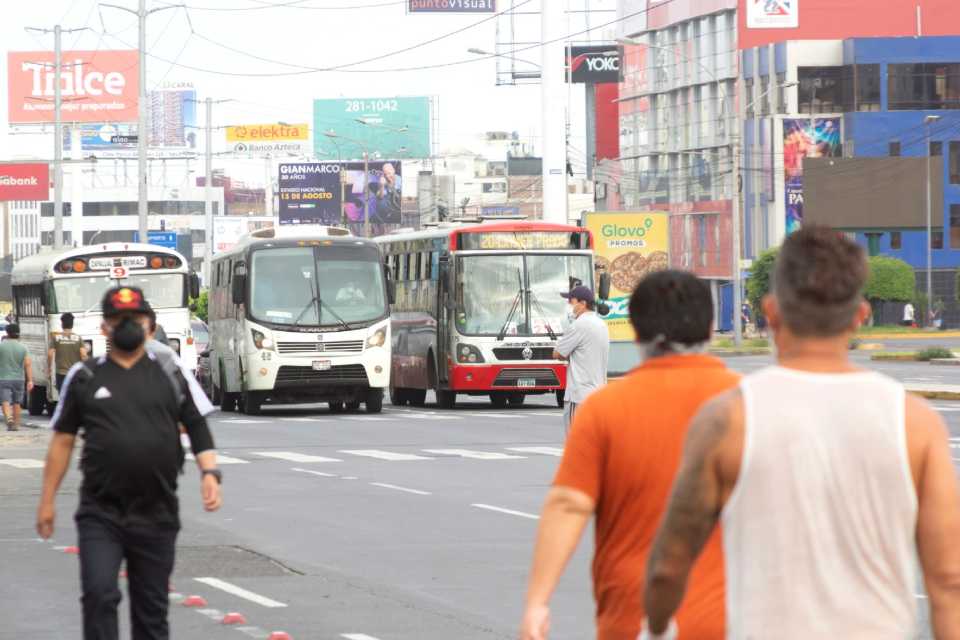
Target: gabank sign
[(96, 86), (28, 181)]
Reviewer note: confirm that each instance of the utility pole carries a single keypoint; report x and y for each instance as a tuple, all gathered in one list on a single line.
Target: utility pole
[(58, 32), (143, 180), (208, 193), (735, 208), (929, 120), (553, 135)]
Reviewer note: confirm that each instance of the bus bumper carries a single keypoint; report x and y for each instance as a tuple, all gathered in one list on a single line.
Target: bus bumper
[(539, 378), (289, 379)]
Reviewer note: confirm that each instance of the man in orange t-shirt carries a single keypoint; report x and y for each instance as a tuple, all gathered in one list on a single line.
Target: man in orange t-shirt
[(619, 464)]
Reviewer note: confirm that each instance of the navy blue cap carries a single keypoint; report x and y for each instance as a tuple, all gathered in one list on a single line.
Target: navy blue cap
[(581, 293)]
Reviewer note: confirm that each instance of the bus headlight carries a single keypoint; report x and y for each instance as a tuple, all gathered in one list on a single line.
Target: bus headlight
[(469, 354), (378, 338), (261, 341)]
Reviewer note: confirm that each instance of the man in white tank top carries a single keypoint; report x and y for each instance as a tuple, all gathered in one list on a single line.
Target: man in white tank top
[(829, 480)]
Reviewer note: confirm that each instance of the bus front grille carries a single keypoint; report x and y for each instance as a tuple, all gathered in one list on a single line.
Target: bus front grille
[(349, 374), (341, 346), (516, 353), (511, 377)]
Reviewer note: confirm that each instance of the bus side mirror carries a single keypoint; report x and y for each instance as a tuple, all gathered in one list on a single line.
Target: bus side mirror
[(603, 309), (239, 288), (194, 285), (604, 286)]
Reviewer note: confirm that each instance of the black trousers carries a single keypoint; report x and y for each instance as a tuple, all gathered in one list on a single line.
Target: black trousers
[(61, 377), (149, 553)]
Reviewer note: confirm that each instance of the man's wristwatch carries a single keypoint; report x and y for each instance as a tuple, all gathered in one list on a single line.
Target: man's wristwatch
[(216, 473)]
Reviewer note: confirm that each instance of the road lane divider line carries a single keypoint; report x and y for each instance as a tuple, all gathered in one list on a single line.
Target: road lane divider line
[(473, 455), (222, 459), (23, 463), (511, 512), (317, 419), (383, 455), (545, 451), (254, 632), (292, 456), (357, 636), (240, 592), (396, 488), (242, 421), (316, 473)]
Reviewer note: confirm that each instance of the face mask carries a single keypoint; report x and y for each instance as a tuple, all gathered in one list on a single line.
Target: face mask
[(128, 335)]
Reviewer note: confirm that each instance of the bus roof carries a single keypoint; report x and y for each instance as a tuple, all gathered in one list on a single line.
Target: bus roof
[(448, 230), (35, 268), (288, 234)]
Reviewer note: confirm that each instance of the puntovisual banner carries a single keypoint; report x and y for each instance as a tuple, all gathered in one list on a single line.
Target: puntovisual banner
[(451, 6), (628, 246), (27, 181), (96, 86), (312, 193), (805, 138)]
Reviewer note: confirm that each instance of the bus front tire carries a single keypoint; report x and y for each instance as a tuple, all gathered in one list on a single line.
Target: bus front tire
[(37, 401), (228, 401), (560, 394), (251, 403), (398, 396), (374, 401), (446, 399), (336, 407), (516, 399), (416, 397), (353, 405), (498, 399)]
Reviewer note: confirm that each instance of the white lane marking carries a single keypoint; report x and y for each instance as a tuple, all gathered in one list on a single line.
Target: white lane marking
[(177, 597), (222, 459), (922, 596), (510, 512), (475, 455), (368, 419), (242, 421), (395, 487), (254, 632), (240, 592), (940, 407), (316, 473), (213, 614), (317, 419), (383, 455), (23, 463), (357, 636), (433, 416), (544, 451), (292, 456)]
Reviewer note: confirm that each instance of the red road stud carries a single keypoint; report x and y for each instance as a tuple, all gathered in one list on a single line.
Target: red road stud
[(234, 618), (279, 635), (73, 550), (194, 601)]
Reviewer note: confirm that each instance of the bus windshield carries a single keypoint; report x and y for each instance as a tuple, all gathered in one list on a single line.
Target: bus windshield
[(78, 295), (335, 285), (487, 286)]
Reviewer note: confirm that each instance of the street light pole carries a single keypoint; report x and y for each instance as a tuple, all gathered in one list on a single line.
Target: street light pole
[(208, 193), (929, 120), (366, 194)]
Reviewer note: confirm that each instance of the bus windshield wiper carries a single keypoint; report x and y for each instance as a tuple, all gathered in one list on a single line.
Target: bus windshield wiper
[(517, 301), (543, 314), (316, 300)]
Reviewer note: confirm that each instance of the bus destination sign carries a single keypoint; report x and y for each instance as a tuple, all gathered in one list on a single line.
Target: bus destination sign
[(523, 240)]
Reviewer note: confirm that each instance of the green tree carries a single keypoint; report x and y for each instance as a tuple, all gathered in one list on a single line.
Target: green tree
[(758, 284), (199, 305), (891, 280)]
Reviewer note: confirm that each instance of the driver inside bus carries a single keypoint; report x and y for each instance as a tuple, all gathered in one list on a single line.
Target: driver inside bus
[(350, 292)]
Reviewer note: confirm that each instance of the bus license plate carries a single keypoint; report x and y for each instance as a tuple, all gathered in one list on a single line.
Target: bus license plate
[(527, 382), (322, 365)]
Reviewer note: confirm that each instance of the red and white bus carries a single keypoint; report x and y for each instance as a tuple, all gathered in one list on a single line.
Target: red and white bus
[(478, 309)]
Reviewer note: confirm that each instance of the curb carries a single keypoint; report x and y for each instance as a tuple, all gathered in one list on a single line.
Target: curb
[(946, 362), (932, 335), (935, 395), (894, 357), (726, 353)]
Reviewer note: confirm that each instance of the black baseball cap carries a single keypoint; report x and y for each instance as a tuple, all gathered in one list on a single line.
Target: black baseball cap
[(124, 300), (581, 293)]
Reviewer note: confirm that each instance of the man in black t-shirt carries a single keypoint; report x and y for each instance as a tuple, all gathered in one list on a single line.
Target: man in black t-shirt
[(128, 404)]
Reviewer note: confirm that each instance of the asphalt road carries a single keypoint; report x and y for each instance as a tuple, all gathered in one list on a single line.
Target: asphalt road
[(410, 525)]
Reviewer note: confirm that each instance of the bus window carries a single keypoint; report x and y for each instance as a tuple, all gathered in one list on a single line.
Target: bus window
[(417, 274)]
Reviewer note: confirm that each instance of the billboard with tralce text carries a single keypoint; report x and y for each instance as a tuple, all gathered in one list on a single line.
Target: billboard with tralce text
[(96, 86)]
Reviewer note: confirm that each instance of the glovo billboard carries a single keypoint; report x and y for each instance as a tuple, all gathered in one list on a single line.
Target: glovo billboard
[(628, 246)]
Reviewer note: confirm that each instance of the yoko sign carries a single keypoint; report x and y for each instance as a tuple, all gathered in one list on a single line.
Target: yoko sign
[(97, 86), (24, 181), (594, 64)]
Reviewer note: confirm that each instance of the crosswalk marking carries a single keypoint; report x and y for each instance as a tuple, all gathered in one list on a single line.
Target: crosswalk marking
[(222, 459), (23, 463), (475, 455), (292, 456), (384, 455), (544, 451)]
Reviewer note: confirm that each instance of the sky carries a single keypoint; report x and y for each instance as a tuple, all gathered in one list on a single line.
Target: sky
[(312, 33)]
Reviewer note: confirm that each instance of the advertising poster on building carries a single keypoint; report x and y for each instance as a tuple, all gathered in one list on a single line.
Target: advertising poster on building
[(805, 138), (312, 193), (97, 86), (346, 128), (773, 14), (451, 6), (628, 246), (27, 181)]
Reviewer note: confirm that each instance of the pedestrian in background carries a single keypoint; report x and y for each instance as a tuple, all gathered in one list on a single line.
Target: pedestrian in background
[(909, 315), (128, 405), (585, 345), (16, 376), (619, 463), (829, 480), (66, 349)]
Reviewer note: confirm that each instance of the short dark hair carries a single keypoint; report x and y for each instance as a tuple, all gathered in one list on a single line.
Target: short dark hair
[(13, 330), (673, 306), (66, 320), (819, 280)]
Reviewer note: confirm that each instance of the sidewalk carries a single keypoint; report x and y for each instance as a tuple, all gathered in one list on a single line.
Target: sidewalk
[(935, 391)]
